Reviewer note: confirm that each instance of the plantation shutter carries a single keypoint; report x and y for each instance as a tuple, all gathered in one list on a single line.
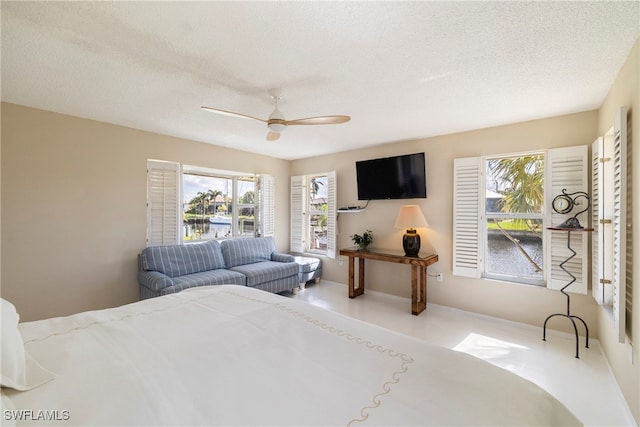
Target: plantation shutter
[(610, 247), (467, 236), (266, 206), (602, 241), (164, 213), (566, 168), (297, 214), (626, 228), (332, 212), (620, 223)]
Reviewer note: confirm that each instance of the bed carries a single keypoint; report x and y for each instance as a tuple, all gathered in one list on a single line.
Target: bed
[(235, 356)]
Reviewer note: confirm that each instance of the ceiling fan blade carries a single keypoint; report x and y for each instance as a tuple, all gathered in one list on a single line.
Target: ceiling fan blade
[(230, 113), (322, 120), (272, 136)]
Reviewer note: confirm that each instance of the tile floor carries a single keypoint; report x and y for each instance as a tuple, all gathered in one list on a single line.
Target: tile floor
[(586, 385)]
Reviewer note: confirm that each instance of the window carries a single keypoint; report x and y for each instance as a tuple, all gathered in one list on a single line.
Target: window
[(217, 205), (187, 204), (313, 213), (513, 218), (501, 208)]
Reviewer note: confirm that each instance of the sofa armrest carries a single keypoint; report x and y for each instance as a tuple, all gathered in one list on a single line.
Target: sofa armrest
[(279, 257), (154, 280)]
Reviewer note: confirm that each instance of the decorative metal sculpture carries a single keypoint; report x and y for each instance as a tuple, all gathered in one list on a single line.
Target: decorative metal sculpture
[(566, 202)]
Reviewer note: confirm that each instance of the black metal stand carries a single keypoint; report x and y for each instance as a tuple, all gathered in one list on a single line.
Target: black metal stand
[(573, 279)]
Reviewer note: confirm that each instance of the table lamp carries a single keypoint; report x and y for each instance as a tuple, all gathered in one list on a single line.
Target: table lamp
[(411, 217)]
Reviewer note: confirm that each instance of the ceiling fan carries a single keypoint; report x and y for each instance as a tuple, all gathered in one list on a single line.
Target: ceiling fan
[(276, 121)]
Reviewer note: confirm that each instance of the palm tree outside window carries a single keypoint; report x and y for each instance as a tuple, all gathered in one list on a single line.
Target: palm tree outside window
[(514, 217)]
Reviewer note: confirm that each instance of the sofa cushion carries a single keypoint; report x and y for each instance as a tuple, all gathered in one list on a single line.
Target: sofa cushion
[(206, 278), (247, 251), (178, 260), (266, 271)]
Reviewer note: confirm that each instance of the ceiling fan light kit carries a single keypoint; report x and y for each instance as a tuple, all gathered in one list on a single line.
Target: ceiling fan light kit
[(276, 122), (276, 126)]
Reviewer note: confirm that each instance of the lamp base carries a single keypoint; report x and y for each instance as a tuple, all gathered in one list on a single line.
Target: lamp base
[(411, 242)]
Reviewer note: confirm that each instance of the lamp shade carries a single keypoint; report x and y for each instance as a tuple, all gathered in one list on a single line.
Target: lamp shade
[(410, 216)]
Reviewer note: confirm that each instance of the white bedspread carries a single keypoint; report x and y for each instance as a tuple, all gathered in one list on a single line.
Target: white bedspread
[(231, 355)]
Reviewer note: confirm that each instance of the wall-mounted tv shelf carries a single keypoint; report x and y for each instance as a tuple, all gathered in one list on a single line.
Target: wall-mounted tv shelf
[(351, 210)]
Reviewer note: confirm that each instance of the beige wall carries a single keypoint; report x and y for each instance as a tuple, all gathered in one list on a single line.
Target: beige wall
[(73, 207), (625, 92), (528, 304)]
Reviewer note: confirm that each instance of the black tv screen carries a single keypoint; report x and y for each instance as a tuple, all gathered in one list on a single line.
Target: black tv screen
[(398, 177)]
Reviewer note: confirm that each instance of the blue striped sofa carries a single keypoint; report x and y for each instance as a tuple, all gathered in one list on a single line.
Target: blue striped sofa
[(250, 262)]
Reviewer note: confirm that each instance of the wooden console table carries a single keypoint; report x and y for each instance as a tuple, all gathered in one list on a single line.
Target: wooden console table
[(418, 264)]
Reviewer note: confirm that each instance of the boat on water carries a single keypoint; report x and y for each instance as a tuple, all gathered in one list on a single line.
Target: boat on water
[(220, 219)]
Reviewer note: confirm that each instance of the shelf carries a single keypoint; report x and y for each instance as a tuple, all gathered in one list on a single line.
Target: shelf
[(350, 210), (569, 229)]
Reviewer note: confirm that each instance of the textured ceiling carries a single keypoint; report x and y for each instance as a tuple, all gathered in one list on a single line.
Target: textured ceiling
[(401, 70)]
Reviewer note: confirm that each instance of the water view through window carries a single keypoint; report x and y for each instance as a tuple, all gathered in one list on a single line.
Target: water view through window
[(217, 207), (514, 219)]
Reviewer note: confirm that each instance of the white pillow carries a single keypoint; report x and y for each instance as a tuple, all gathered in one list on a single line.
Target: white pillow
[(19, 370)]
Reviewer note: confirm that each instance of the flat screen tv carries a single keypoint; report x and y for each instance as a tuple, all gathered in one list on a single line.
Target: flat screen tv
[(398, 177)]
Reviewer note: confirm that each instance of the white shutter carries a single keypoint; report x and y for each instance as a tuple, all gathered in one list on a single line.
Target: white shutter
[(164, 211), (297, 214), (467, 236), (601, 248), (620, 222), (265, 206), (566, 168), (331, 214)]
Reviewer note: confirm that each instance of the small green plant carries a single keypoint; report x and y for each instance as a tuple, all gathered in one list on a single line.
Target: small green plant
[(364, 240)]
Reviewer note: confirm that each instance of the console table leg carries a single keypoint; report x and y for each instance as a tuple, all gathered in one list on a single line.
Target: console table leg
[(353, 291), (351, 278), (418, 290), (360, 289)]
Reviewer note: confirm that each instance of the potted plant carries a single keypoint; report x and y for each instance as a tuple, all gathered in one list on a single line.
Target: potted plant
[(364, 240)]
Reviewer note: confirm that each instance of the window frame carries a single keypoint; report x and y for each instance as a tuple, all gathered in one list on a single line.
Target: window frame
[(564, 167), (301, 215)]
